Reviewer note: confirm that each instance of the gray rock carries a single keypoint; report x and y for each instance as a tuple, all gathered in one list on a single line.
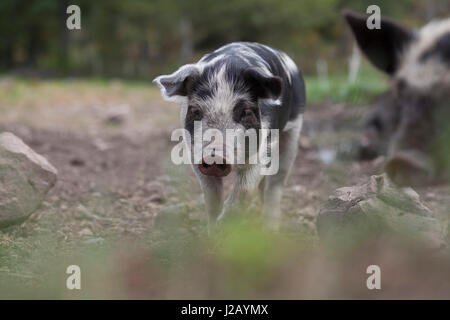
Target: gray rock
[(25, 179), (378, 207)]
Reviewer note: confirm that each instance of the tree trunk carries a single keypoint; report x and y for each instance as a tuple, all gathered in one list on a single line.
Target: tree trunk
[(187, 46), (63, 36)]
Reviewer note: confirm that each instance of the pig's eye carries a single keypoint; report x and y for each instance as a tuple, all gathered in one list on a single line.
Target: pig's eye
[(377, 124), (195, 113), (247, 114), (401, 87), (249, 118)]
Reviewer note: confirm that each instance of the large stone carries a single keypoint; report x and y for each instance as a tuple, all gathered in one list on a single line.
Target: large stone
[(378, 207), (25, 179)]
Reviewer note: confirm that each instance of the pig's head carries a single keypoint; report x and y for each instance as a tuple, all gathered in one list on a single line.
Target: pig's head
[(223, 98), (415, 115)]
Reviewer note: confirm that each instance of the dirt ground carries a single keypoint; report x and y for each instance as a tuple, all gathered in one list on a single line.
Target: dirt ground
[(121, 149), (111, 146)]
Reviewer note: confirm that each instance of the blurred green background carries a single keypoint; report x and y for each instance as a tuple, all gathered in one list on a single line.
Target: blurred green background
[(138, 39)]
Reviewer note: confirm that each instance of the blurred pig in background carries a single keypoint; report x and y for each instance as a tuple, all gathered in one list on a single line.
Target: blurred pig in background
[(408, 123)]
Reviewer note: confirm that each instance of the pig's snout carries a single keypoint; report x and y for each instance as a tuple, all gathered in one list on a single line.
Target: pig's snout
[(409, 168), (215, 169)]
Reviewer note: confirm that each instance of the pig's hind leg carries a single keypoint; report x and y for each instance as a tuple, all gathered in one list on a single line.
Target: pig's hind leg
[(273, 187)]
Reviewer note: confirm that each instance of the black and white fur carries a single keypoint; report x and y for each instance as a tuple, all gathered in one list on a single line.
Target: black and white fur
[(267, 85), (407, 122)]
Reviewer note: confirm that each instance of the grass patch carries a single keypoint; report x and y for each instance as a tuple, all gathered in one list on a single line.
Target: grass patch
[(338, 89)]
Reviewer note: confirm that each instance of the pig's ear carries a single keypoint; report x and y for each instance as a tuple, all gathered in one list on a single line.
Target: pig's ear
[(383, 47), (177, 84), (262, 85)]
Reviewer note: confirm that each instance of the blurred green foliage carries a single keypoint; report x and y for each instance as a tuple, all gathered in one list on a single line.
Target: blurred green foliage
[(243, 259), (141, 38), (441, 150), (337, 88)]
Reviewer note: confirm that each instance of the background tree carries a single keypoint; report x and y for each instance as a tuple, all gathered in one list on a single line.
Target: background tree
[(141, 38)]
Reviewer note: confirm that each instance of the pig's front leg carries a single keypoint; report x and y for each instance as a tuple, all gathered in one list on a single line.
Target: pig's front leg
[(247, 180), (212, 188)]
